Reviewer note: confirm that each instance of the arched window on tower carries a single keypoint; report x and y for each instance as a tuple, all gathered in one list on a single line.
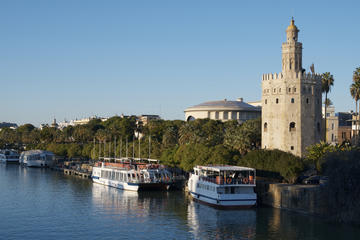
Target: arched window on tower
[(277, 101), (292, 100), (292, 127), (265, 127)]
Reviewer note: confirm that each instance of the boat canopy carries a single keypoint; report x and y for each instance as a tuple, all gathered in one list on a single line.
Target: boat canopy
[(222, 168)]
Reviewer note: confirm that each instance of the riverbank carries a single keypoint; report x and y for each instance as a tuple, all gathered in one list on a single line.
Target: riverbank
[(306, 199)]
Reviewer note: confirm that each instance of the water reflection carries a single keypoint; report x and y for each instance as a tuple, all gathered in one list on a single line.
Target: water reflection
[(50, 205), (209, 223)]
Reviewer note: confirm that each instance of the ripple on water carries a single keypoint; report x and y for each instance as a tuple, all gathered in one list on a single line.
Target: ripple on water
[(42, 204)]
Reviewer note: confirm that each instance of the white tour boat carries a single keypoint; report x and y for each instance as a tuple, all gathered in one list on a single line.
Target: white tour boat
[(223, 186), (9, 156), (37, 158), (132, 174)]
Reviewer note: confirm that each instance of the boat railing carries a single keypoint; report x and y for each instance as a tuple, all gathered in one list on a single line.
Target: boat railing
[(229, 181)]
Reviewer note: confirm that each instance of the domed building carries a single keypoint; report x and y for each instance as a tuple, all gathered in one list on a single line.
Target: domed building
[(223, 110)]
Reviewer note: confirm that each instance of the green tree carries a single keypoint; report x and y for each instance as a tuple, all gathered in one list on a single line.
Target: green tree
[(343, 188), (327, 81), (316, 154), (244, 137), (274, 163), (170, 137), (74, 150), (355, 94)]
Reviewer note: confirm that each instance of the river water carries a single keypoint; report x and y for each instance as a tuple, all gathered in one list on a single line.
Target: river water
[(43, 204)]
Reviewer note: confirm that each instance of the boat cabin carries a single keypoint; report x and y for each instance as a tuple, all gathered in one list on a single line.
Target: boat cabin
[(226, 175)]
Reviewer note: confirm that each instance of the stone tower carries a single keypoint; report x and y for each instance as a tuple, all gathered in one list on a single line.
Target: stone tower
[(291, 102)]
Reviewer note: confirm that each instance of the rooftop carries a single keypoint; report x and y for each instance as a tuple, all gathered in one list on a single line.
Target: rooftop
[(224, 105)]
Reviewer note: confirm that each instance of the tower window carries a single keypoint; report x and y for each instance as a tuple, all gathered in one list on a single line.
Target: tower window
[(307, 101), (289, 89), (265, 101), (274, 90), (277, 101), (265, 127), (292, 100), (292, 147), (279, 90), (292, 127), (294, 89)]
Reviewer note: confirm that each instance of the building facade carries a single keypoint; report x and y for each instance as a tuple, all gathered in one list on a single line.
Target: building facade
[(223, 110), (331, 125), (291, 102)]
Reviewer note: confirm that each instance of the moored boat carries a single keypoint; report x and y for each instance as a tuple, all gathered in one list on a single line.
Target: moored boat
[(223, 186), (37, 158), (131, 174), (9, 156)]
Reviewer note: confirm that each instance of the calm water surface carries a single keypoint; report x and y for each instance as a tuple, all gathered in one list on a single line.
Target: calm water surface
[(42, 204)]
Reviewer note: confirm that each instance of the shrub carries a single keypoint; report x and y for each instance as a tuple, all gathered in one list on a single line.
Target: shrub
[(274, 163), (343, 188)]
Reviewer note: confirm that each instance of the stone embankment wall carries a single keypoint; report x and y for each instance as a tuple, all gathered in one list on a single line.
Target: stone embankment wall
[(308, 199)]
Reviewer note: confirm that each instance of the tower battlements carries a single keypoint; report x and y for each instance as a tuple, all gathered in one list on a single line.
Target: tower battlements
[(304, 77)]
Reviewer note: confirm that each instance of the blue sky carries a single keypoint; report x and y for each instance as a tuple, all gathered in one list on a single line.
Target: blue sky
[(73, 59)]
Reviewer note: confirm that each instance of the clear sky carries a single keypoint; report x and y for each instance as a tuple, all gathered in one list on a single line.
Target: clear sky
[(72, 59)]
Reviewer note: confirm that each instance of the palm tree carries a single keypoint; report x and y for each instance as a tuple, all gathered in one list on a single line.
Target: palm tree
[(327, 80), (355, 93)]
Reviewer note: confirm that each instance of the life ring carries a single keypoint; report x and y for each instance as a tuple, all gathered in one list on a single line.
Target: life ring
[(246, 180), (229, 180)]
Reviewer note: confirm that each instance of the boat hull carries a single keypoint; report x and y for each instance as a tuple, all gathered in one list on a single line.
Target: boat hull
[(9, 161), (37, 163), (240, 202), (116, 184), (131, 186)]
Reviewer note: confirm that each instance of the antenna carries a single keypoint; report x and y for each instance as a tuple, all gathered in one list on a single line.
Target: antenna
[(139, 149), (120, 146), (115, 147), (99, 149), (126, 147), (149, 145), (133, 147)]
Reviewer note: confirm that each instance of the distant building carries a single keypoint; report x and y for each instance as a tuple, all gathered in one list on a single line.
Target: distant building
[(355, 130), (54, 124), (255, 103), (76, 122), (338, 126), (145, 119), (223, 110), (332, 125), (345, 125), (8, 125)]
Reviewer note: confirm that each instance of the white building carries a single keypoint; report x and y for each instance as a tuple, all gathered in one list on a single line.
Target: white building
[(223, 110)]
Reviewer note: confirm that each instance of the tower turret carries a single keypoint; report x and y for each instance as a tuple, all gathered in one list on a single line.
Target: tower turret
[(291, 102), (292, 50)]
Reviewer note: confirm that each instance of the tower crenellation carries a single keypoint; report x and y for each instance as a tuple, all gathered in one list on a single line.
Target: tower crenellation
[(291, 101)]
